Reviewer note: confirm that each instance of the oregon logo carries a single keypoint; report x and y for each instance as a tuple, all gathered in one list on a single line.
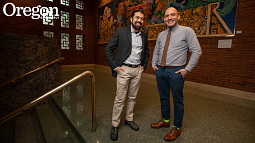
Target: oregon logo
[(34, 12)]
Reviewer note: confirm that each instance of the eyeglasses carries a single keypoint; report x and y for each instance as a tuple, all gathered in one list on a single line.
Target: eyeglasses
[(138, 17)]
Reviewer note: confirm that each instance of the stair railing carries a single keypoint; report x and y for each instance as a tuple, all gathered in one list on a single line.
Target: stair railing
[(32, 103), (13, 80)]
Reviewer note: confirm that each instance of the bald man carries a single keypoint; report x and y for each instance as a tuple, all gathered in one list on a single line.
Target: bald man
[(168, 62)]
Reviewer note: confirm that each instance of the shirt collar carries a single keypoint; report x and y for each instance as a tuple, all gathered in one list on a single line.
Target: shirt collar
[(175, 27), (132, 31)]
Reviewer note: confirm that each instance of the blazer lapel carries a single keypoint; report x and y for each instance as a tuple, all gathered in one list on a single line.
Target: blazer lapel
[(129, 35)]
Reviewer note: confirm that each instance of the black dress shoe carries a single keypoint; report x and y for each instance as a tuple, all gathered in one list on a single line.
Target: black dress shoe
[(114, 134), (132, 124)]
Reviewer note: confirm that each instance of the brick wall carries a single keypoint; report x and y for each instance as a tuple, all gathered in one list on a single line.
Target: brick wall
[(231, 68), (28, 26)]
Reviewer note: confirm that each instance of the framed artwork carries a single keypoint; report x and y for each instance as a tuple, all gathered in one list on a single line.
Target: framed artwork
[(208, 18)]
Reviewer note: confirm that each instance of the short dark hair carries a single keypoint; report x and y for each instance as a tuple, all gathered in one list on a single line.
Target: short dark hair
[(135, 11)]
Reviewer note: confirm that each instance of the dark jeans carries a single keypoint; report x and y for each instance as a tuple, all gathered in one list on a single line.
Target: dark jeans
[(167, 79)]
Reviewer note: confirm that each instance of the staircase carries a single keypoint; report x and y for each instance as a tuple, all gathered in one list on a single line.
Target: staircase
[(66, 118), (57, 121)]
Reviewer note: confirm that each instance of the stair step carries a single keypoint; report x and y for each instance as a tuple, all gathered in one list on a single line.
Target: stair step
[(28, 130), (78, 111), (54, 126)]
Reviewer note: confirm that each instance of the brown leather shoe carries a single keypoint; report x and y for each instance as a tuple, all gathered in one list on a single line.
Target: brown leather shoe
[(172, 135), (160, 124)]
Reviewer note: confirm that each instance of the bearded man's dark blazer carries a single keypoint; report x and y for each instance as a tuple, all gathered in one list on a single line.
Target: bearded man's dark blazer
[(122, 40)]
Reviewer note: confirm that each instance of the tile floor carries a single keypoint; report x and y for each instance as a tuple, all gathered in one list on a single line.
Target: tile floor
[(208, 118)]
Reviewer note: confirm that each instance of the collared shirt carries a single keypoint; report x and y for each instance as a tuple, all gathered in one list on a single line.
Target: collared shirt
[(182, 39), (135, 56)]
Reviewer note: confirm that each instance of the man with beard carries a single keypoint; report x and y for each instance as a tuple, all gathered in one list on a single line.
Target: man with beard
[(169, 58), (127, 65)]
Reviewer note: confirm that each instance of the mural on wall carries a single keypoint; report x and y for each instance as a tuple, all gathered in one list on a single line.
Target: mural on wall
[(206, 17)]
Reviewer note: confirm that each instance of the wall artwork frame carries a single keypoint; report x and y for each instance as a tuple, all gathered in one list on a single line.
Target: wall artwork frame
[(208, 18)]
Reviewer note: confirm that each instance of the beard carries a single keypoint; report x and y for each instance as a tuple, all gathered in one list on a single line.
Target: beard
[(137, 27)]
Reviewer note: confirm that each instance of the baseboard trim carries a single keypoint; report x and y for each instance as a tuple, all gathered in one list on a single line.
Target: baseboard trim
[(201, 86)]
